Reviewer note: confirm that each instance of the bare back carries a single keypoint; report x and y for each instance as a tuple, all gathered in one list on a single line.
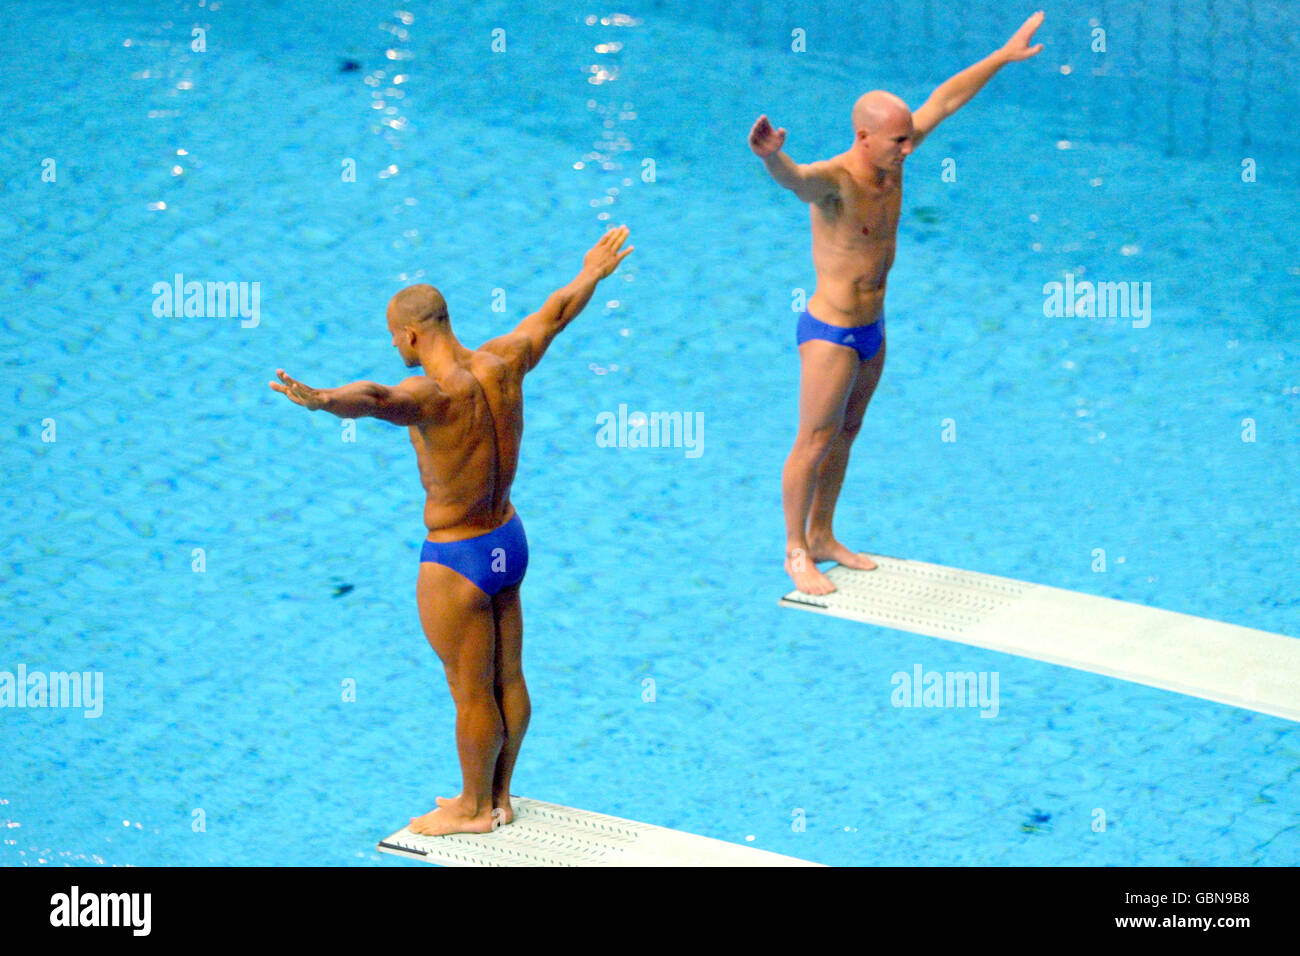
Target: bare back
[(854, 233), (469, 451)]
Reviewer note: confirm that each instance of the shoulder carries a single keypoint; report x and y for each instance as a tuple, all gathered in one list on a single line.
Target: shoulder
[(424, 390), (420, 385), (833, 177), (829, 171), (506, 354), (414, 401)]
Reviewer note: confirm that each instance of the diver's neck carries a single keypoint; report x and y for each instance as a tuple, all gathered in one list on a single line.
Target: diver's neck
[(880, 177), (441, 353)]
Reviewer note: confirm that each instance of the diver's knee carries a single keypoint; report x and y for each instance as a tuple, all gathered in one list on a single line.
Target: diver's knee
[(469, 688), (815, 443), (510, 678)]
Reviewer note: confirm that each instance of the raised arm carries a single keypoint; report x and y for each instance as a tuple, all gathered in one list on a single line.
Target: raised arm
[(415, 400), (956, 92), (528, 342), (811, 183)]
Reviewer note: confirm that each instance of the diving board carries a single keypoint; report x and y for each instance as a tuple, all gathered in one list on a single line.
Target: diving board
[(1240, 666), (545, 834)]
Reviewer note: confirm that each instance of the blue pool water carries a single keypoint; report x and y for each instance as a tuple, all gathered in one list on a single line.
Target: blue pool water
[(224, 690)]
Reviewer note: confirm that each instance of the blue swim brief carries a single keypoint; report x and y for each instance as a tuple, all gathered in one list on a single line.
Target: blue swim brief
[(495, 560), (866, 339)]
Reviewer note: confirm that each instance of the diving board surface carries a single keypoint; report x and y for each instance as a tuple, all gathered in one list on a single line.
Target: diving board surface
[(1240, 666), (545, 834)]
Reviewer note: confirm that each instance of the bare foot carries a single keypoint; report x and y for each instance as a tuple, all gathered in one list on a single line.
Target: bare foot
[(805, 575), (452, 817), (502, 810), (832, 550)]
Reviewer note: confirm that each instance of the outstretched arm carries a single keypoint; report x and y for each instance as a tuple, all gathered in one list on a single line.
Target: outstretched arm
[(956, 92), (410, 403), (528, 342), (811, 183)]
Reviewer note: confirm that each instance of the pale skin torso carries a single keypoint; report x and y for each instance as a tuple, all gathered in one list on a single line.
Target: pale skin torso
[(854, 234), (855, 199), (854, 226)]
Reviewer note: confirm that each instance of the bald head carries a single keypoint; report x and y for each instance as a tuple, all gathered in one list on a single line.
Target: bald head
[(418, 305), (876, 109)]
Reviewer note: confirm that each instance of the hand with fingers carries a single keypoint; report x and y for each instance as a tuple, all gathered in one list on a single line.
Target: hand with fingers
[(309, 398), (1018, 48), (764, 140), (603, 258)]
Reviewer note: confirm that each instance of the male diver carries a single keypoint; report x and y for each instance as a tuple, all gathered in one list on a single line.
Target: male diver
[(855, 199), (465, 418)]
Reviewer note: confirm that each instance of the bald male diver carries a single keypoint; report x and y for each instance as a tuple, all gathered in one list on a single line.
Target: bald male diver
[(465, 418), (855, 199)]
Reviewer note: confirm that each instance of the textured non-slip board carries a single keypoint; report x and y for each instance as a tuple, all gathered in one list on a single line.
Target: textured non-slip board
[(1241, 666), (545, 834)]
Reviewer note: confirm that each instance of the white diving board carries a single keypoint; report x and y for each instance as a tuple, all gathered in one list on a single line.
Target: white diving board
[(545, 834), (1240, 666)]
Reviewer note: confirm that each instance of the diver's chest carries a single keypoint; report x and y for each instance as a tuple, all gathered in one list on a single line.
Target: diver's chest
[(872, 214)]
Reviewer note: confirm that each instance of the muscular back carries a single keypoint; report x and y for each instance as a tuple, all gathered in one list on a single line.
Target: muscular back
[(468, 452), (471, 408), (855, 229)]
